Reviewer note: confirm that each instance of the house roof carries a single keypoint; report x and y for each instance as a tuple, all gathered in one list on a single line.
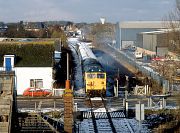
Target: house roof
[(3, 27), (29, 54), (35, 25)]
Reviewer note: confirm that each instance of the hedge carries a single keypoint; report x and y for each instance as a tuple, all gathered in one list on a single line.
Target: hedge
[(29, 54)]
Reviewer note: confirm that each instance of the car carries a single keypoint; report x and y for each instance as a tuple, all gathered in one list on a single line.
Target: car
[(37, 92), (158, 59)]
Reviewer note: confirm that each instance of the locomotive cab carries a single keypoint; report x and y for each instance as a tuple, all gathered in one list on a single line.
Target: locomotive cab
[(95, 83)]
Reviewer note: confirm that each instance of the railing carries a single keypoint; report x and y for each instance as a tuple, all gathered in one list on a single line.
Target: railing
[(122, 56), (59, 126), (58, 92)]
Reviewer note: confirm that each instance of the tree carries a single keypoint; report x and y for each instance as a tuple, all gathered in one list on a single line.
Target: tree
[(57, 32), (172, 22)]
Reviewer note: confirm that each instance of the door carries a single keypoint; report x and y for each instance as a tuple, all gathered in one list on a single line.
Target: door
[(8, 64)]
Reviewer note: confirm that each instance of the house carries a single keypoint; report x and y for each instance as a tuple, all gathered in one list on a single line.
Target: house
[(34, 26), (3, 28), (32, 63)]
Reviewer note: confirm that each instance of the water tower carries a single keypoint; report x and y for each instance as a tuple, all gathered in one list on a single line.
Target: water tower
[(102, 19)]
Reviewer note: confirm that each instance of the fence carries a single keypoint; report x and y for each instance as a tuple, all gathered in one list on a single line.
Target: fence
[(58, 92), (126, 59)]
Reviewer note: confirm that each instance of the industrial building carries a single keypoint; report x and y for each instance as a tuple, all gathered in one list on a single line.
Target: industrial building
[(154, 41), (126, 32)]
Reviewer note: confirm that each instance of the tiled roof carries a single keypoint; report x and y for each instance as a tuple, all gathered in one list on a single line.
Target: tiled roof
[(35, 25)]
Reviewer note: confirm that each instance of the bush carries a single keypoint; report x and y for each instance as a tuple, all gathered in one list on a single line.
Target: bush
[(29, 54)]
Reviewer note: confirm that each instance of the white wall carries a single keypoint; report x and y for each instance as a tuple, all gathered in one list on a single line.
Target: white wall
[(24, 74)]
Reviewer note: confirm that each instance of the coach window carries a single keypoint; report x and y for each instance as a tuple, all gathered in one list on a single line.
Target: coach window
[(36, 83)]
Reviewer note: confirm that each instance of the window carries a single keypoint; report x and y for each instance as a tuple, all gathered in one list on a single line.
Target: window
[(100, 76), (36, 83), (90, 76)]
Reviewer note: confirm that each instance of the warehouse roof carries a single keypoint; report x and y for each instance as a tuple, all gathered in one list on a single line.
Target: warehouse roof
[(141, 24)]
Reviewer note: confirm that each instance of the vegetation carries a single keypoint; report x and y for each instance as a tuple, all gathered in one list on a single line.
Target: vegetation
[(165, 120), (100, 33), (18, 31), (33, 54), (171, 21), (57, 32)]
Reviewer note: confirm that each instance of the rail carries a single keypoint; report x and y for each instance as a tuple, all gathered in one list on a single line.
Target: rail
[(57, 125), (93, 117), (109, 117), (100, 102)]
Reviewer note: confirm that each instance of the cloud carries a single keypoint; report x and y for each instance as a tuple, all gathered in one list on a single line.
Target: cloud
[(82, 10), (34, 10)]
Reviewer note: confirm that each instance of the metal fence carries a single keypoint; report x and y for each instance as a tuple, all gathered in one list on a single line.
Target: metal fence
[(123, 57)]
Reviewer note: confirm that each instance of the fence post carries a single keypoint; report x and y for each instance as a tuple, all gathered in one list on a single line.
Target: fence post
[(54, 105), (35, 106)]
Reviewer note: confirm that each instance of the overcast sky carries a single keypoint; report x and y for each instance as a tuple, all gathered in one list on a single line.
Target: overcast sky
[(84, 10)]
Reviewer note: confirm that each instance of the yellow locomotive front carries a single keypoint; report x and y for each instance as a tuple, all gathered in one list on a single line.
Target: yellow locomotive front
[(95, 83)]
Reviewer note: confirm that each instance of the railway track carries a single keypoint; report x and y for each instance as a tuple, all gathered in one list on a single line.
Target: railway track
[(100, 120), (100, 103)]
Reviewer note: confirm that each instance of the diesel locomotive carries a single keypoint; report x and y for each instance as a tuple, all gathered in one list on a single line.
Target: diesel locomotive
[(93, 72)]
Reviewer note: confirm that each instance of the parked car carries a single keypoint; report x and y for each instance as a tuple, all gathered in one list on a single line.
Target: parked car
[(158, 59), (36, 92)]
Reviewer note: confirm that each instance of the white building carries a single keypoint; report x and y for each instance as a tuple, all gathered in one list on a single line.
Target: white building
[(37, 77), (31, 71)]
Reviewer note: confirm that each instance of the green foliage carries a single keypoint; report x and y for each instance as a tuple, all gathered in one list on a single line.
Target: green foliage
[(102, 28), (34, 54), (56, 32), (18, 31)]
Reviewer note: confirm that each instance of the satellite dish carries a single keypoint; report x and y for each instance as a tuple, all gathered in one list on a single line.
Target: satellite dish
[(102, 20)]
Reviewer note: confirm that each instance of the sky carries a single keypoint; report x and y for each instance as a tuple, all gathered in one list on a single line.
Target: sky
[(84, 10)]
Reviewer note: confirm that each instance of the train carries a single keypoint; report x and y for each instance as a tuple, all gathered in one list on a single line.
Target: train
[(93, 73)]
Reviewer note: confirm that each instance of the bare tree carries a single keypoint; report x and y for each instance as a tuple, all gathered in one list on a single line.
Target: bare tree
[(172, 23)]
